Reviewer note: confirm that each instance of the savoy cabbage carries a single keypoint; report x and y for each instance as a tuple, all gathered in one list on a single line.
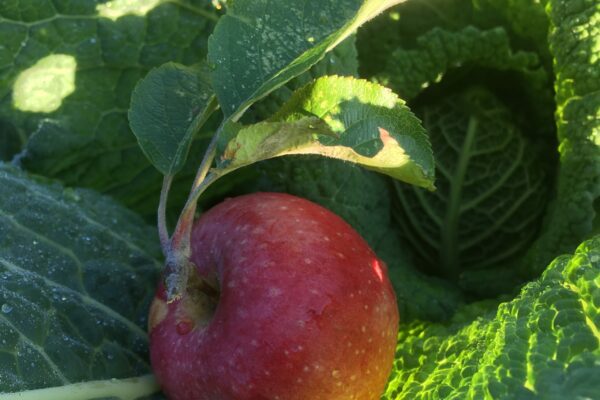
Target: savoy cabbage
[(497, 272)]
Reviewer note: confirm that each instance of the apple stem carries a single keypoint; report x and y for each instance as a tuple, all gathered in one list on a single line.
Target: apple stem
[(178, 251), (163, 230)]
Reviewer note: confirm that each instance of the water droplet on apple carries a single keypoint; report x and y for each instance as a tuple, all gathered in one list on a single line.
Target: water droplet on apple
[(184, 327)]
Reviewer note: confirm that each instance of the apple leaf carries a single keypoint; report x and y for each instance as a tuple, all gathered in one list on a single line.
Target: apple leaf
[(77, 272), (259, 45), (343, 118), (167, 108), (264, 140), (342, 60)]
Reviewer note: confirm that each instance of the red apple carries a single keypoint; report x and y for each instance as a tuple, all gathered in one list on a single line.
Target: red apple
[(304, 308)]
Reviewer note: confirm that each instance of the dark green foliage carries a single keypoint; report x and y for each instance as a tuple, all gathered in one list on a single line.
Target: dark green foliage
[(77, 273), (543, 344), (77, 270), (86, 141), (492, 188)]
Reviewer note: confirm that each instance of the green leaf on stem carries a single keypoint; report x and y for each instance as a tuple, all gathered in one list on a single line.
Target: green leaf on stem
[(78, 272), (246, 47), (167, 108), (344, 118)]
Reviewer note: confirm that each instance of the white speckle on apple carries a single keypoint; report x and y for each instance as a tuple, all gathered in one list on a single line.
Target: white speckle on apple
[(326, 238), (349, 344), (353, 377), (307, 261), (283, 208), (366, 307), (274, 292), (340, 255), (231, 284), (314, 291), (306, 368), (244, 241), (299, 380), (335, 373), (363, 329), (254, 343), (297, 220)]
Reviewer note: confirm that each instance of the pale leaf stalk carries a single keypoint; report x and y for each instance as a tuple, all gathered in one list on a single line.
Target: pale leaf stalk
[(184, 225), (178, 265), (163, 230)]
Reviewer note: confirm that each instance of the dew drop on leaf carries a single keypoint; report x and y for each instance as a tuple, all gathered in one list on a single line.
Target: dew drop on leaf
[(6, 308), (71, 194)]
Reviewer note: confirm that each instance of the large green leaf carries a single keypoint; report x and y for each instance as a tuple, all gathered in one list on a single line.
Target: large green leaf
[(344, 118), (95, 51), (77, 272), (261, 44), (481, 217), (167, 108), (524, 21), (439, 51), (574, 45), (544, 344)]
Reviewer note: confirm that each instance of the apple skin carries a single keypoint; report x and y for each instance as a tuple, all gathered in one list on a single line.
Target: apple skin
[(306, 309)]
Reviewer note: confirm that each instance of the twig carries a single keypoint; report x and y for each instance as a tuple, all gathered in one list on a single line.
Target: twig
[(163, 231)]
